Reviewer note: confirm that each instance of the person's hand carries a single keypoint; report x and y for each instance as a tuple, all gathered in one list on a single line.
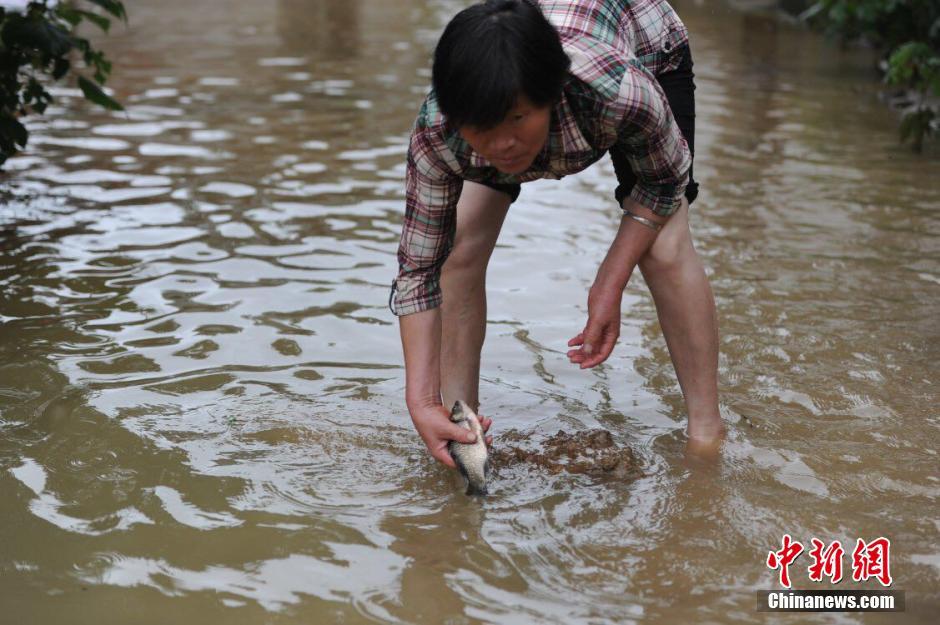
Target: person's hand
[(436, 430), (595, 343)]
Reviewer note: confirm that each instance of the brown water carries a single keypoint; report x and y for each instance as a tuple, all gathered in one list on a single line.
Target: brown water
[(201, 392)]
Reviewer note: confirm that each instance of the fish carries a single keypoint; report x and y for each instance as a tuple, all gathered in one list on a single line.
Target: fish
[(472, 459)]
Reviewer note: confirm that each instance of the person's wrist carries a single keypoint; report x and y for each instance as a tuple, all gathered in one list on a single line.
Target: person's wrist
[(641, 210), (421, 403), (607, 285), (655, 226)]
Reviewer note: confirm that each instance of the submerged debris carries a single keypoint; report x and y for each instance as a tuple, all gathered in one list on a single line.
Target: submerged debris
[(591, 452)]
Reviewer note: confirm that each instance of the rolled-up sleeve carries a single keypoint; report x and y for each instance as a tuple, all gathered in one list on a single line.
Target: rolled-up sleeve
[(431, 194), (652, 143)]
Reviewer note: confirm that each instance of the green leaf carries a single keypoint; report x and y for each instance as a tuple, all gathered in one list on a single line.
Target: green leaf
[(67, 13), (36, 34), (100, 21), (907, 62), (916, 126), (114, 7), (33, 92), (13, 131), (94, 94), (60, 67)]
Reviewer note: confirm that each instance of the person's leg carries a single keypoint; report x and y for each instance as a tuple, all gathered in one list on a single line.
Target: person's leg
[(480, 214), (676, 277), (686, 310)]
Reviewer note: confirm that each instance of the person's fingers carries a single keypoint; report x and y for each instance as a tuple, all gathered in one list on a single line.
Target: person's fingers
[(592, 337), (595, 360), (440, 454), (489, 441), (608, 340), (576, 356), (607, 345), (453, 432), (485, 423)]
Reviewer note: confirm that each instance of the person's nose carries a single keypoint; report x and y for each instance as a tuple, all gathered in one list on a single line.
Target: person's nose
[(503, 143)]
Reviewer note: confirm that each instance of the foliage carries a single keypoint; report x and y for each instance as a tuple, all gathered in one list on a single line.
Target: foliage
[(36, 47), (908, 34)]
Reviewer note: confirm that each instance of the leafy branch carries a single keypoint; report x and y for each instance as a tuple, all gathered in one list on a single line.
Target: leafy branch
[(907, 32), (37, 47)]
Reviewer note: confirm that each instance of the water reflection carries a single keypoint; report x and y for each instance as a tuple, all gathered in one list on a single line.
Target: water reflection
[(330, 29)]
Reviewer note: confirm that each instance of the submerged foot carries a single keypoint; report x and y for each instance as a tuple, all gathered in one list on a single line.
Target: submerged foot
[(705, 439)]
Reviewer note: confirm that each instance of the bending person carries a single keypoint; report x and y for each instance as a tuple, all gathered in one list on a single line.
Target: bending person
[(522, 91)]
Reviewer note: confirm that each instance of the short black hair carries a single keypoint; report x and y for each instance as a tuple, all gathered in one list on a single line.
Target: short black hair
[(489, 54)]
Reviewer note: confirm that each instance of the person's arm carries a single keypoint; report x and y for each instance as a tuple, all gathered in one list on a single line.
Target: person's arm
[(660, 158), (594, 344), (431, 193), (421, 343)]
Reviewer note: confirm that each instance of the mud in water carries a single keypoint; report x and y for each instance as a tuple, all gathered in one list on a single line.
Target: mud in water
[(591, 452)]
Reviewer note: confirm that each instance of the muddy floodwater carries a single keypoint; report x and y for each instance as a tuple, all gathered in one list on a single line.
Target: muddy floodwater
[(201, 389)]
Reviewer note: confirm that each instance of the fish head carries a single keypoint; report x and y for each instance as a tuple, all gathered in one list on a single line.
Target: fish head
[(460, 412)]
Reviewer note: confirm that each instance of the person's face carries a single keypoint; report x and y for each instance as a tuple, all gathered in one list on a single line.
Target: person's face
[(513, 144)]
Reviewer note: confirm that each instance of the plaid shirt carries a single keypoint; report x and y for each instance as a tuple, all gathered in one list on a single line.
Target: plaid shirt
[(611, 98)]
